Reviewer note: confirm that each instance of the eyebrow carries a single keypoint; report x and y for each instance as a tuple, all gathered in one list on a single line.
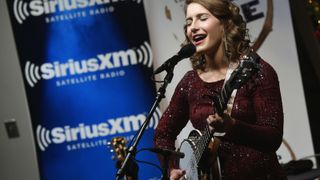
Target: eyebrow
[(197, 15)]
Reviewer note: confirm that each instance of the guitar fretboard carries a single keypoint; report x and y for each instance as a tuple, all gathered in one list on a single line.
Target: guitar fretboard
[(202, 143)]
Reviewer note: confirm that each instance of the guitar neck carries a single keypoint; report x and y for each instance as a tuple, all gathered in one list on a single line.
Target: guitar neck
[(203, 143), (221, 100)]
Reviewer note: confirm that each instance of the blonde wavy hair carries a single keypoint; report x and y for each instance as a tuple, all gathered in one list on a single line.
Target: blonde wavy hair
[(236, 40)]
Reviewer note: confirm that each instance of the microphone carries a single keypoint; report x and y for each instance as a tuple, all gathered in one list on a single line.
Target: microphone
[(185, 52), (167, 152)]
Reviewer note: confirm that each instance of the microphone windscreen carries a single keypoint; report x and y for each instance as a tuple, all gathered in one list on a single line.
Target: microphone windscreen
[(187, 51)]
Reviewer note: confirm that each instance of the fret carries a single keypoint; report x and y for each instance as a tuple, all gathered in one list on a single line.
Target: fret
[(204, 141)]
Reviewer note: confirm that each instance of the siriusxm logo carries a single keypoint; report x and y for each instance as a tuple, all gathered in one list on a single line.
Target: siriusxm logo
[(142, 55), (22, 9), (68, 134)]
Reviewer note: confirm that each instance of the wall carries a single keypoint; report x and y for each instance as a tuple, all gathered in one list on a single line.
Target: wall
[(17, 155)]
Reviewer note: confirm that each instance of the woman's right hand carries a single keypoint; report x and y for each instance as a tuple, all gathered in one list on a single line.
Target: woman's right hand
[(177, 174)]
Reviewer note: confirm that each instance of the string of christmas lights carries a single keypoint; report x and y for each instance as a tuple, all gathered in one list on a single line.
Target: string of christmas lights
[(314, 10)]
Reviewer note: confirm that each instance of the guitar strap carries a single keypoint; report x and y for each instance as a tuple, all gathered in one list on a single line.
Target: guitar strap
[(232, 67)]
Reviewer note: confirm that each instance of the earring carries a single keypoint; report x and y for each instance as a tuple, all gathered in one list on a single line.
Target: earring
[(227, 53)]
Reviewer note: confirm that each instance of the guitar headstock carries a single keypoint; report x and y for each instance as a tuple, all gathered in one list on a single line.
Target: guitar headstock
[(248, 66), (119, 147)]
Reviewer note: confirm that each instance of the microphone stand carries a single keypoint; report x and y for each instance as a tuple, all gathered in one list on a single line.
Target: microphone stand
[(132, 150)]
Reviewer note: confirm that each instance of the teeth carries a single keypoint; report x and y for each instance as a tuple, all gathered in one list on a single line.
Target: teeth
[(199, 37)]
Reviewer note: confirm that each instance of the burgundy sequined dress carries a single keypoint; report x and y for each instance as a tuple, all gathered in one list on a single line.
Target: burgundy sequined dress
[(247, 151)]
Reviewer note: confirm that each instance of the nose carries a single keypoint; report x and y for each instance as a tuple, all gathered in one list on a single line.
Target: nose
[(194, 27)]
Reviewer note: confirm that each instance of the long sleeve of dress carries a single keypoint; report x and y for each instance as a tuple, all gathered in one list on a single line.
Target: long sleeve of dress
[(173, 120), (265, 132)]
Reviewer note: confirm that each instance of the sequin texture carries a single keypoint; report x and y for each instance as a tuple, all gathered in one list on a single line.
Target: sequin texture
[(248, 149)]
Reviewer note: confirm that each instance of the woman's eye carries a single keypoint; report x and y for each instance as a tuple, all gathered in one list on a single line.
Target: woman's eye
[(188, 23), (203, 18)]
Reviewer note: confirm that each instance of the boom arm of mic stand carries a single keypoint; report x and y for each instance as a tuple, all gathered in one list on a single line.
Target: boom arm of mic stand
[(132, 150)]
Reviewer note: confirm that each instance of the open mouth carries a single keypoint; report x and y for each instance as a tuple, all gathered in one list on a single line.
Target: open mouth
[(199, 37)]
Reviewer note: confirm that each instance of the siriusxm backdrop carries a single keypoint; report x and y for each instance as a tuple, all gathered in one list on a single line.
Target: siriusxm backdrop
[(87, 66)]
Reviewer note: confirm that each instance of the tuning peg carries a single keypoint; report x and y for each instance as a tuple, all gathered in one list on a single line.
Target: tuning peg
[(108, 144)]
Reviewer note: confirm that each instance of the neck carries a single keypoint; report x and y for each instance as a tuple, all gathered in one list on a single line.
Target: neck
[(216, 60)]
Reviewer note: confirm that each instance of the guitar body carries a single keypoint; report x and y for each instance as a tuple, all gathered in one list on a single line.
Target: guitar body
[(208, 168), (189, 162)]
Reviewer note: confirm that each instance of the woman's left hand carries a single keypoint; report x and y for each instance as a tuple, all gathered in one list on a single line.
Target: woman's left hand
[(220, 124)]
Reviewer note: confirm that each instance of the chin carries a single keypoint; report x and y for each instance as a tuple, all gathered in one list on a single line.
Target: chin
[(201, 49)]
